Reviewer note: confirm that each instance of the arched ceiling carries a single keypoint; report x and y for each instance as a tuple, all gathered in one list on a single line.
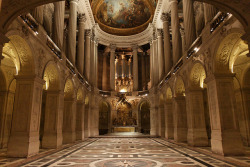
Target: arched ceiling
[(123, 17)]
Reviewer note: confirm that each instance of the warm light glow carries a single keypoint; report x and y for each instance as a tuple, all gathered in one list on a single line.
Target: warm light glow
[(196, 49), (46, 85), (123, 90)]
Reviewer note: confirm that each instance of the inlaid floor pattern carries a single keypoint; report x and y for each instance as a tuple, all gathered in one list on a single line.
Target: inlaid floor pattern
[(128, 152)]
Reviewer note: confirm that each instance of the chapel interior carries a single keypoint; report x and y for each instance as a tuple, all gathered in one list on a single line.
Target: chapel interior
[(124, 83)]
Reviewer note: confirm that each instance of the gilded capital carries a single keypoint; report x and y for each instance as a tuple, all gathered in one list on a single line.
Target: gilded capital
[(165, 17), (82, 17)]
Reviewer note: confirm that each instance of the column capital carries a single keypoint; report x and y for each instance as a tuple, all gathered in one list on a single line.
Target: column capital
[(88, 33), (182, 32), (159, 32), (134, 47), (112, 47), (82, 17), (165, 17)]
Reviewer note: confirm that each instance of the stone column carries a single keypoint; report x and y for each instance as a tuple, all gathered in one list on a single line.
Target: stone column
[(197, 133), (153, 115), (151, 63), (135, 67), (87, 54), (209, 12), (143, 71), (162, 120), (176, 37), (52, 137), (93, 115), (112, 66), (58, 24), (81, 36), (69, 121), (92, 60), (24, 138), (169, 125), (189, 22), (80, 112), (86, 119), (168, 60), (180, 119), (38, 14), (95, 62), (155, 62), (72, 31), (184, 48), (104, 73), (160, 54), (225, 138)]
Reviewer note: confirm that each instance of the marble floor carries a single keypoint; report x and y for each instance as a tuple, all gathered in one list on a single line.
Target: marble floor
[(128, 152)]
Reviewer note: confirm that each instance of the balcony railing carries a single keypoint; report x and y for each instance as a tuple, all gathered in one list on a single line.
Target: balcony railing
[(70, 66), (53, 47), (31, 22), (218, 19)]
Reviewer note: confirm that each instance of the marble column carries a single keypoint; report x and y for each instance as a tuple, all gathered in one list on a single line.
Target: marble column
[(87, 54), (93, 115), (81, 37), (135, 67), (38, 14), (197, 133), (176, 37), (160, 54), (112, 67), (225, 138), (143, 71), (151, 63), (72, 31), (104, 73), (58, 23), (180, 119), (155, 62), (80, 112), (162, 120), (168, 60), (183, 41), (92, 61), (52, 137), (189, 22), (86, 119), (24, 137), (169, 125), (153, 115), (209, 12), (69, 121), (95, 62)]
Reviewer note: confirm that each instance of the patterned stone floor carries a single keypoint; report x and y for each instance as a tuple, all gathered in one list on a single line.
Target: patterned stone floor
[(130, 152)]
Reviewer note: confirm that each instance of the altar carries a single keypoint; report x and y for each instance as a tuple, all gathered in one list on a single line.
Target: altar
[(124, 129)]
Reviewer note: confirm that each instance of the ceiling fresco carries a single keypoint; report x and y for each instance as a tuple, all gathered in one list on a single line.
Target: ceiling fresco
[(123, 17)]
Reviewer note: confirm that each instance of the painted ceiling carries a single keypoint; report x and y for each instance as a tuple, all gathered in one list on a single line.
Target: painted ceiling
[(123, 17)]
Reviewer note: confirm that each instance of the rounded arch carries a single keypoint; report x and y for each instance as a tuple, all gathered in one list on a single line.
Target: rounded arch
[(144, 116), (229, 49), (169, 94), (80, 94), (197, 76), (51, 76), (69, 90), (20, 53), (179, 87)]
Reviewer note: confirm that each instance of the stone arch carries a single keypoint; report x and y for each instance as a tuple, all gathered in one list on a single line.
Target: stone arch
[(104, 117), (69, 89), (229, 49), (80, 94), (197, 76), (20, 53), (144, 116), (169, 94), (246, 78), (51, 77), (179, 87)]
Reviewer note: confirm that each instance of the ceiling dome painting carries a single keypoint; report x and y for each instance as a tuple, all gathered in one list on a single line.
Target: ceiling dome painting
[(123, 17)]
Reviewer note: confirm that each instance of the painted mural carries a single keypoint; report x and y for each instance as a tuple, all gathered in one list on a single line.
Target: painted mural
[(123, 13)]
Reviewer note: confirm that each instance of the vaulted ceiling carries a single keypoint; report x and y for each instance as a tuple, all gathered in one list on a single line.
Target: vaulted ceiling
[(123, 17)]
